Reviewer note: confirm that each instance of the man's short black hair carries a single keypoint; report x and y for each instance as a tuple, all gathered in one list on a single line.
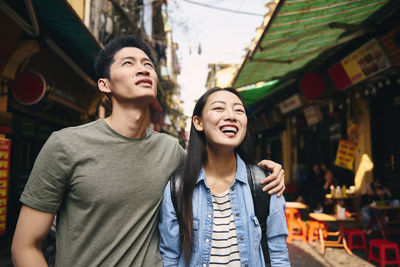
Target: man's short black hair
[(106, 56)]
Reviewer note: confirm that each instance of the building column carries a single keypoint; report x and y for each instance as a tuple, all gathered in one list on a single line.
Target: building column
[(289, 151), (363, 158)]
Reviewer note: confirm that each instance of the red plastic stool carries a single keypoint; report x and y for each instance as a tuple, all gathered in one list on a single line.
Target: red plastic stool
[(383, 245), (352, 236)]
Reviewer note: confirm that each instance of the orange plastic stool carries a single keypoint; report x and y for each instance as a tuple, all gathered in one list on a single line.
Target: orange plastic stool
[(292, 214), (352, 236), (297, 230), (313, 230), (382, 245)]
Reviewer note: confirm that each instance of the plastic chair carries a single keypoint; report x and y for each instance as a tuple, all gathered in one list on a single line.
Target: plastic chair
[(383, 245), (355, 238)]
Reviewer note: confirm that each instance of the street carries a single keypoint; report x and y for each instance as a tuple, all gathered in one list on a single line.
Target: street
[(309, 255)]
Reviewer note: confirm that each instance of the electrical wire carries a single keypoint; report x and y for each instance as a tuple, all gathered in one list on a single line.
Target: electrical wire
[(224, 9)]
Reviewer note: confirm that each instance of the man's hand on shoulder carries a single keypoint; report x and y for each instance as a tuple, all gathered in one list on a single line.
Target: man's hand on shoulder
[(275, 182)]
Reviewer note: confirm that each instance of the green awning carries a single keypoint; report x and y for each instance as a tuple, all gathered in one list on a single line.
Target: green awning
[(57, 19), (299, 32), (69, 31), (251, 94)]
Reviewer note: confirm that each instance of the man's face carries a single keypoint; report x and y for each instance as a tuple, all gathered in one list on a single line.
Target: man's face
[(132, 77)]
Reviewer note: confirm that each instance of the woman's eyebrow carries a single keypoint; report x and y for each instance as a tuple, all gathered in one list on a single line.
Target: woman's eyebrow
[(223, 102), (218, 101)]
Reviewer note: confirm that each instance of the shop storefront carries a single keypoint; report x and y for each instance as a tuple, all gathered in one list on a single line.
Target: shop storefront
[(385, 133), (46, 85), (343, 65)]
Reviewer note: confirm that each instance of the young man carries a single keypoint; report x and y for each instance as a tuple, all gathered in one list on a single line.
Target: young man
[(105, 179)]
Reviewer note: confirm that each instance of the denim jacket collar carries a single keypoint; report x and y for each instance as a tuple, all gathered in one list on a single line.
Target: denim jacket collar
[(241, 172)]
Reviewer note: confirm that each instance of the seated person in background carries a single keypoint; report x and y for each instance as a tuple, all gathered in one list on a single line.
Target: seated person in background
[(328, 178), (328, 205), (303, 179), (375, 192), (313, 194)]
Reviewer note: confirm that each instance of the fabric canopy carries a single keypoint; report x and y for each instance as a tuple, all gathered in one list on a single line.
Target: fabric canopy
[(299, 32), (59, 20), (251, 94)]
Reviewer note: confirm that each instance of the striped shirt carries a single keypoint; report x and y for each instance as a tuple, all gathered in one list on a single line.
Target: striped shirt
[(224, 246)]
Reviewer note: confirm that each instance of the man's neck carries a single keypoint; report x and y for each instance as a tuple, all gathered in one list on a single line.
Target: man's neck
[(129, 122)]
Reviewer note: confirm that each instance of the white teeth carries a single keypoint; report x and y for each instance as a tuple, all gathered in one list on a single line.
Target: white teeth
[(229, 129), (144, 83)]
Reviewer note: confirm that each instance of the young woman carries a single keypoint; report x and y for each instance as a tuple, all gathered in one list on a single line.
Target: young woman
[(217, 225)]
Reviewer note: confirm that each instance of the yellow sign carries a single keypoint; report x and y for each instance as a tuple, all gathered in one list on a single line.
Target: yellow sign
[(3, 164), (3, 183), (345, 154), (2, 228), (365, 61), (5, 145)]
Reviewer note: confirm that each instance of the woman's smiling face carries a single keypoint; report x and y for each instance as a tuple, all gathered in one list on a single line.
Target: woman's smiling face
[(223, 120)]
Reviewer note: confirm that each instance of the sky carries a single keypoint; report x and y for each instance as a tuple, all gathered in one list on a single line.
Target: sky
[(222, 36)]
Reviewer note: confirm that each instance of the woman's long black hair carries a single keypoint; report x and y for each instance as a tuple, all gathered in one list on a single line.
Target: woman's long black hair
[(195, 159)]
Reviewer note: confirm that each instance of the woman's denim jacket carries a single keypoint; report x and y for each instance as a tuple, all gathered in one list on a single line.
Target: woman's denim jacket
[(247, 226)]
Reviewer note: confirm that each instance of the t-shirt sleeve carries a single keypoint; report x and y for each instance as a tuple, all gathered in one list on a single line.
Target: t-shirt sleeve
[(49, 178), (182, 154)]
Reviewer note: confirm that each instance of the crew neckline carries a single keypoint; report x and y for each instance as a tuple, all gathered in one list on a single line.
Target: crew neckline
[(114, 132)]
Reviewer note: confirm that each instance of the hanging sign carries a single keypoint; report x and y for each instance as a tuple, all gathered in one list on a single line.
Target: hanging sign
[(390, 43), (29, 88), (345, 154), (313, 115), (366, 61), (5, 145), (290, 104)]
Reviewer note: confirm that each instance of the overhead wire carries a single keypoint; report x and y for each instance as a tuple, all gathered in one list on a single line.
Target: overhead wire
[(224, 9)]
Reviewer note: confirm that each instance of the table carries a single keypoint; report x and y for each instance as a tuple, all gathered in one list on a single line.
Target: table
[(296, 205), (329, 196), (379, 218), (292, 208), (342, 201), (341, 241)]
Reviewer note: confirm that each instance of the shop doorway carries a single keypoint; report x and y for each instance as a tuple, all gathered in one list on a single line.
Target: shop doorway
[(385, 122)]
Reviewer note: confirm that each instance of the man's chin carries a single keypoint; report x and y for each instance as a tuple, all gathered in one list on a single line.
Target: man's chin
[(139, 100), (150, 100)]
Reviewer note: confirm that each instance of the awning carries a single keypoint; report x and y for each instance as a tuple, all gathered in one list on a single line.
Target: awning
[(300, 31), (252, 93), (59, 20)]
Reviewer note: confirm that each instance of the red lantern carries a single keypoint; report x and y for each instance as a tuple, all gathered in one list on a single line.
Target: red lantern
[(312, 85), (29, 88)]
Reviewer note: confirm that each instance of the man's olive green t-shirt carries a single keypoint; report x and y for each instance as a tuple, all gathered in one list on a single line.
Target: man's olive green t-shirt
[(106, 190)]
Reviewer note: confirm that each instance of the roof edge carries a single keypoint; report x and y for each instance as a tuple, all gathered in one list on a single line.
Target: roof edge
[(250, 53)]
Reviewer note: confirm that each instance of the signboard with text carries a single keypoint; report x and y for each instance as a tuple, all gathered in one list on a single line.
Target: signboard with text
[(313, 115), (290, 104), (345, 154), (366, 61), (5, 145)]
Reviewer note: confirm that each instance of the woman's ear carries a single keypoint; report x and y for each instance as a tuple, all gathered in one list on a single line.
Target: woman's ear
[(104, 85), (198, 123)]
